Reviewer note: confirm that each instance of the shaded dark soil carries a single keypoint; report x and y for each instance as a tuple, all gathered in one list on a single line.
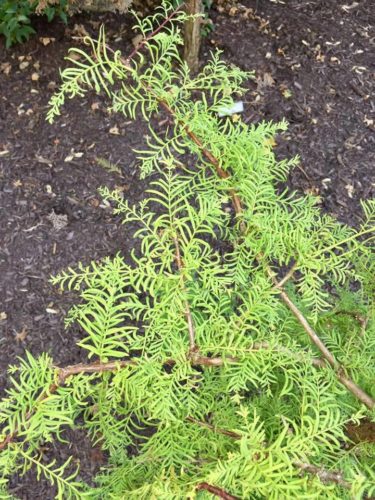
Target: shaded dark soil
[(313, 63)]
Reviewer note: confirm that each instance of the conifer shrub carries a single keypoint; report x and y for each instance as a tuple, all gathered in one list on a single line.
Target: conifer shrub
[(229, 353)]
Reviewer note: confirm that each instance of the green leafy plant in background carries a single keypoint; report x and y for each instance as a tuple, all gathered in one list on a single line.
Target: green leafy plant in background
[(220, 362), (15, 17), (207, 23)]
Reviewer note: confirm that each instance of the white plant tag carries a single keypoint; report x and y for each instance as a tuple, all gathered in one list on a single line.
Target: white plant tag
[(237, 107)]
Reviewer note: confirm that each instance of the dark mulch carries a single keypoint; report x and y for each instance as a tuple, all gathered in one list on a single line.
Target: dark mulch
[(314, 63)]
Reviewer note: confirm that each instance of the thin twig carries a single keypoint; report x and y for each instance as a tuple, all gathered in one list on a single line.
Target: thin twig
[(214, 490), (206, 153), (352, 387), (303, 321), (62, 374), (287, 277), (258, 346)]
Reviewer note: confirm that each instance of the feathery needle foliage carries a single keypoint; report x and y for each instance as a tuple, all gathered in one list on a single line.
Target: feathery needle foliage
[(196, 363)]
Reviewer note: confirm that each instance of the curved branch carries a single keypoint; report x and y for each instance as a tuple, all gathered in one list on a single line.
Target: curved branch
[(215, 490), (62, 374)]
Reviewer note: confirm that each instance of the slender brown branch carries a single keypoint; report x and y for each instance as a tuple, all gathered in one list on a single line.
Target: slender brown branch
[(301, 318), (215, 490), (62, 374), (352, 387), (287, 277), (257, 346)]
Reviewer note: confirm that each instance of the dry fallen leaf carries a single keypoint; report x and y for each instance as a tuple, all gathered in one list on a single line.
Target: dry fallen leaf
[(123, 188), (21, 336), (350, 190), (80, 31), (45, 40), (348, 8), (5, 68), (49, 310), (114, 130), (41, 159), (286, 93), (335, 60), (265, 81), (94, 202), (74, 56), (51, 85), (312, 191), (23, 65), (369, 122), (359, 69)]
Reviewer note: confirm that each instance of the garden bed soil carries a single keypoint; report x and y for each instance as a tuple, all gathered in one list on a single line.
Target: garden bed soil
[(313, 63)]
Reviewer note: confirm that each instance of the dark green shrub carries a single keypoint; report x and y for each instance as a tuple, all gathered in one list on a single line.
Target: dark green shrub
[(15, 17)]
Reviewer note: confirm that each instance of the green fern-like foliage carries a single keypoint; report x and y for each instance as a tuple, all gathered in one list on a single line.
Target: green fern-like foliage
[(200, 379)]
